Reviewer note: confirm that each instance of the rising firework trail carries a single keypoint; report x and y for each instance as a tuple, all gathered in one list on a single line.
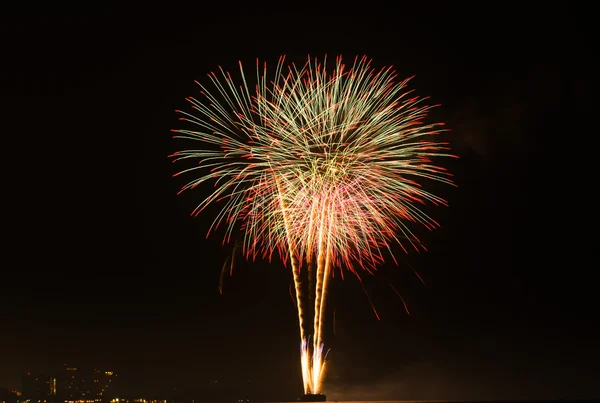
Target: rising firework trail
[(322, 165)]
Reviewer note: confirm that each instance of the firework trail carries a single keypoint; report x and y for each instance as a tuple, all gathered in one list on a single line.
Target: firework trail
[(322, 165)]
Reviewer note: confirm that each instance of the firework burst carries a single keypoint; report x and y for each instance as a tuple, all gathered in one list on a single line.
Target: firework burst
[(320, 164)]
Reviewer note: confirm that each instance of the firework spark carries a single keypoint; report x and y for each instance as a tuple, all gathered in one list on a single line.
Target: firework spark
[(322, 165)]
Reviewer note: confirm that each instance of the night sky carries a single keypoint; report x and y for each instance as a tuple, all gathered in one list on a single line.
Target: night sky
[(104, 267)]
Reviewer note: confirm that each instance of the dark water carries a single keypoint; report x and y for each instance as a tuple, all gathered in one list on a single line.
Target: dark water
[(459, 401)]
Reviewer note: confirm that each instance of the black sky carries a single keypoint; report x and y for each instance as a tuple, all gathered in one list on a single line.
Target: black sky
[(104, 267)]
